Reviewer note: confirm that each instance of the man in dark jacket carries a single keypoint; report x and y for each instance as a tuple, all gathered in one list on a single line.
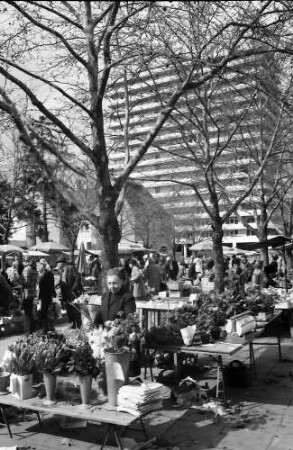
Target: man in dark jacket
[(46, 294), (71, 288), (172, 268), (6, 296)]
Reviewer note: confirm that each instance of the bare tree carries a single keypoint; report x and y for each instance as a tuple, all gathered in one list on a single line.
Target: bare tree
[(63, 59)]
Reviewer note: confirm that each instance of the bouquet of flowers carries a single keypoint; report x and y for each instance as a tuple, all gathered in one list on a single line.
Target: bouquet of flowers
[(51, 352), (21, 360), (81, 360), (121, 334)]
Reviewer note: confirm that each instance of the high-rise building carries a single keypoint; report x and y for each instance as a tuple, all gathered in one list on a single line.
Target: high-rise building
[(226, 126)]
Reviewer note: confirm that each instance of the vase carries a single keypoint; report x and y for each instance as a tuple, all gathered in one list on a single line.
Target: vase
[(117, 368), (93, 311), (50, 387), (85, 385), (21, 386)]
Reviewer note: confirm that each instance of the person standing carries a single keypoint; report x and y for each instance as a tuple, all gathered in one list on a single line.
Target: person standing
[(71, 288), (152, 276), (137, 280), (172, 268), (30, 281), (46, 294), (6, 296), (13, 275)]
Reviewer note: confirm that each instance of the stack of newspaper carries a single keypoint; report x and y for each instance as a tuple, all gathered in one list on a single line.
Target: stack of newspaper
[(142, 398)]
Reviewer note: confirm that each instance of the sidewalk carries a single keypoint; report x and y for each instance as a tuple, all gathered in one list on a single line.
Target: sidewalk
[(263, 420)]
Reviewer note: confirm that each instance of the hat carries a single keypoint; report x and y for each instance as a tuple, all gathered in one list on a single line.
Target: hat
[(61, 259)]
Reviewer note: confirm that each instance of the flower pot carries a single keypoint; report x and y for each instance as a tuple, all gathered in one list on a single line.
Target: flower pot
[(50, 387), (117, 368), (21, 386), (85, 384)]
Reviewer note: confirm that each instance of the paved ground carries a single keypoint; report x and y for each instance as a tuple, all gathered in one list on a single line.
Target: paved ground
[(261, 416)]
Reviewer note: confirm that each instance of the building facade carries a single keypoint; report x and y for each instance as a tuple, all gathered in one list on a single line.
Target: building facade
[(224, 127)]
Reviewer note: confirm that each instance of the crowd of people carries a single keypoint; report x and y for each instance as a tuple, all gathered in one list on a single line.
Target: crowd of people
[(25, 281), (138, 277), (152, 272)]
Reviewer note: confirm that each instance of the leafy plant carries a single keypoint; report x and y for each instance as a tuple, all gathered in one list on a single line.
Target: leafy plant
[(81, 360), (51, 352), (22, 359)]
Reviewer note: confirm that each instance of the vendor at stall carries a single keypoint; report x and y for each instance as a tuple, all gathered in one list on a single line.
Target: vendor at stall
[(117, 299)]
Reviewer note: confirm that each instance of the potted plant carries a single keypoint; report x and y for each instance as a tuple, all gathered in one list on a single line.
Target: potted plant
[(51, 358), (21, 365), (83, 364), (120, 344)]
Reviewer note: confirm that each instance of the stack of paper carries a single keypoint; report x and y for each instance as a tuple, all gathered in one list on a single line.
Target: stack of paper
[(140, 399)]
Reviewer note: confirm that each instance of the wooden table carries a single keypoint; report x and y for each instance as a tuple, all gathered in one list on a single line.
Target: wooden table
[(215, 350), (230, 346), (153, 312), (96, 413)]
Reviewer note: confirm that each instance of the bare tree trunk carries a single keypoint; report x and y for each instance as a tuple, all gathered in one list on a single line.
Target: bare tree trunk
[(45, 221), (263, 235), (218, 255), (110, 232)]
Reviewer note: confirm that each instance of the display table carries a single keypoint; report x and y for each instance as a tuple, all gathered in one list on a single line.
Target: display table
[(230, 346), (96, 413), (154, 312), (215, 350)]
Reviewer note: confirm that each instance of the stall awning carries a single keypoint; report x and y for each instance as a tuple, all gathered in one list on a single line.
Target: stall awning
[(276, 241)]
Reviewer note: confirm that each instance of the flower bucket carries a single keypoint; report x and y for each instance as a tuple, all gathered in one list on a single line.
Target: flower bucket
[(50, 387), (117, 368), (21, 386), (85, 384), (93, 311)]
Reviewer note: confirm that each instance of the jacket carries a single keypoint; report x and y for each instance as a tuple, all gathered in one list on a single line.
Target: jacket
[(113, 303)]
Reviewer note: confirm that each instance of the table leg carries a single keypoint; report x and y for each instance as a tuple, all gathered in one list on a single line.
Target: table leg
[(106, 437), (279, 348), (111, 428), (252, 359), (220, 379), (143, 428), (175, 358), (118, 440), (5, 421)]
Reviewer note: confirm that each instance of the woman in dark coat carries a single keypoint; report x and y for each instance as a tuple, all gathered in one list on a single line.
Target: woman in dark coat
[(117, 300)]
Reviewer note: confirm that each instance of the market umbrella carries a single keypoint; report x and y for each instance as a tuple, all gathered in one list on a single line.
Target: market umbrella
[(36, 253), (82, 265), (50, 247), (7, 248), (203, 245), (276, 241)]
